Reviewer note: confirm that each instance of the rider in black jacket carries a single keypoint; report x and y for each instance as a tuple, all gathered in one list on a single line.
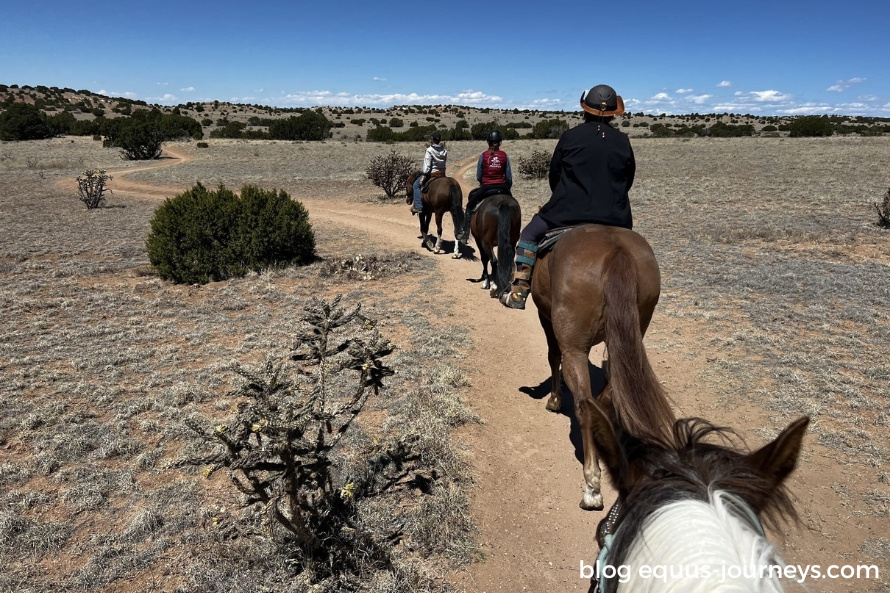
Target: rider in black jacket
[(591, 172)]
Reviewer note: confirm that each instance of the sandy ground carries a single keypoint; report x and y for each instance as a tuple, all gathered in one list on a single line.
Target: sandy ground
[(529, 478)]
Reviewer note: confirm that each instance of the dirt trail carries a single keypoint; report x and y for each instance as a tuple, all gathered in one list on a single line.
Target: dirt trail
[(529, 480), (122, 185)]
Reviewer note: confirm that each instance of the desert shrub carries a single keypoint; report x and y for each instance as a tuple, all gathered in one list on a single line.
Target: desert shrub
[(140, 141), (537, 166), (22, 121), (884, 211), (480, 130), (61, 123), (201, 235), (380, 134), (396, 122), (722, 130), (285, 448), (388, 171), (202, 145), (229, 129), (549, 128), (811, 125), (91, 186), (769, 128), (659, 130), (310, 125)]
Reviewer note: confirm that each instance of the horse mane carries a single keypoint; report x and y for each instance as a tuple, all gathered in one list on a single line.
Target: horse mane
[(701, 478), (640, 402)]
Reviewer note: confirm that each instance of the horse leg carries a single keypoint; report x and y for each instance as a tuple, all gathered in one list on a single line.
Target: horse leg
[(456, 253), (484, 256), (425, 229), (439, 232), (554, 357), (574, 366)]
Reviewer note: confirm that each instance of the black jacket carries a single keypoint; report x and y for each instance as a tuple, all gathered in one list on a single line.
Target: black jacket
[(591, 171)]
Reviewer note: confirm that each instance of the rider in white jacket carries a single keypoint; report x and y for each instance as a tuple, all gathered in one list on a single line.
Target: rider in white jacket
[(433, 161)]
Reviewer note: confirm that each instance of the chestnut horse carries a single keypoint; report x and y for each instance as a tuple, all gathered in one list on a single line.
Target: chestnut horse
[(444, 195), (496, 223), (601, 284), (693, 505)]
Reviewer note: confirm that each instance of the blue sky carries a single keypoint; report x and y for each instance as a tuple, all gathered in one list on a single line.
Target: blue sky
[(764, 58)]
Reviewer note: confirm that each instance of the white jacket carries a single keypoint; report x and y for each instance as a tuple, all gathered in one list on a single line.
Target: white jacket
[(434, 159)]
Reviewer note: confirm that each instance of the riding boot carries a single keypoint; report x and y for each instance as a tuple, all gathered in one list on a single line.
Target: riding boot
[(522, 278), (468, 218)]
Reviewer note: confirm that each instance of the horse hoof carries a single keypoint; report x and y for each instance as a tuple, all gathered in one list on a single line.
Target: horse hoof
[(455, 256), (554, 404), (592, 502)]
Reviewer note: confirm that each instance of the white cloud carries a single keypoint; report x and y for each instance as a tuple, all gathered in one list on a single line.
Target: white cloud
[(684, 91), (699, 99), (125, 94), (770, 96), (661, 97), (724, 84), (188, 89), (163, 83), (167, 98), (379, 79), (469, 98), (843, 85)]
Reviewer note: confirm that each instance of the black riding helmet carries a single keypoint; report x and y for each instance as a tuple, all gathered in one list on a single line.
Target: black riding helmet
[(494, 137), (437, 137), (602, 100)]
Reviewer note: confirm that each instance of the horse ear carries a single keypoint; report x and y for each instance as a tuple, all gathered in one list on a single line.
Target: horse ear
[(606, 441), (778, 459)]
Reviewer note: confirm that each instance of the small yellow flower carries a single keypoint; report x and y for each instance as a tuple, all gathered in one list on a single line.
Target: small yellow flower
[(222, 428), (348, 491), (207, 472)]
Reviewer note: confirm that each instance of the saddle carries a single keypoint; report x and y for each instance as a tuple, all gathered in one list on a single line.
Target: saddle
[(551, 237), (478, 194), (434, 175)]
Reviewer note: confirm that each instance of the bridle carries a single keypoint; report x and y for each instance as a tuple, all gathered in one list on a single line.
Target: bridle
[(608, 527), (605, 533)]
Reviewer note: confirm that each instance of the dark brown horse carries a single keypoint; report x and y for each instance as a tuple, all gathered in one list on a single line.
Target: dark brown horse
[(444, 195), (496, 223), (601, 284), (693, 502)]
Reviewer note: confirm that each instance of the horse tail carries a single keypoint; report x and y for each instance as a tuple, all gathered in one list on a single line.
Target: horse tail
[(457, 207), (506, 248), (640, 402)]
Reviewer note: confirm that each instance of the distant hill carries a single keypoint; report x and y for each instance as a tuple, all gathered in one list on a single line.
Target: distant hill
[(220, 118)]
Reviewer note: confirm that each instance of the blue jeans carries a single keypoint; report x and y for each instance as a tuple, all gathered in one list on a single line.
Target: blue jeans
[(418, 203)]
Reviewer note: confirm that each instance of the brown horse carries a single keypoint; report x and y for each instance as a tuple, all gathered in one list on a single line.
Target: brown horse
[(444, 195), (601, 284), (692, 503), (496, 223)]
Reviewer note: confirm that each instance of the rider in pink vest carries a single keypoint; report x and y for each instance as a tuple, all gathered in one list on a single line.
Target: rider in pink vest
[(494, 174)]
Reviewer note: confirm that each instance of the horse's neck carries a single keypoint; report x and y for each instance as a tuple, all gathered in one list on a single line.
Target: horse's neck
[(701, 547)]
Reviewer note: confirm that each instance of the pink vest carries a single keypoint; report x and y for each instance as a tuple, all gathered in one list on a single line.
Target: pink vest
[(494, 167)]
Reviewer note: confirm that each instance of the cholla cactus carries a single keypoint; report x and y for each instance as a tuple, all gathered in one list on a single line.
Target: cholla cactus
[(884, 211), (92, 187), (389, 171)]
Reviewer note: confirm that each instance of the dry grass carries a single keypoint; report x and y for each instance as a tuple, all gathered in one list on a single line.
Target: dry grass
[(102, 363), (772, 242)]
